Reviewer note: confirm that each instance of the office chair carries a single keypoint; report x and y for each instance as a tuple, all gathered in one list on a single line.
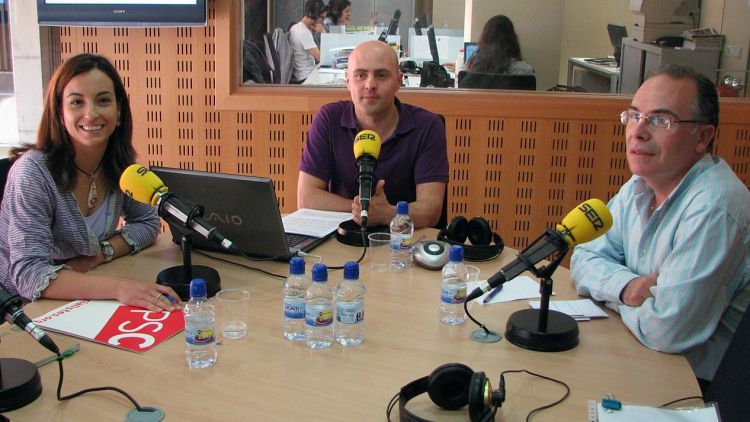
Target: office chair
[(730, 387), (5, 164), (496, 81)]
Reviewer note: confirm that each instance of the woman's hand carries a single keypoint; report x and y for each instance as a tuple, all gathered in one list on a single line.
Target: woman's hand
[(151, 296)]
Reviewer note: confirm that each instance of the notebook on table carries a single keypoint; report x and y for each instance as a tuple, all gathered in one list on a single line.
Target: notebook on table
[(242, 208)]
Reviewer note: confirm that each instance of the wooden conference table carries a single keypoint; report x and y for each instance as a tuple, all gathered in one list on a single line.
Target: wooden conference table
[(265, 377)]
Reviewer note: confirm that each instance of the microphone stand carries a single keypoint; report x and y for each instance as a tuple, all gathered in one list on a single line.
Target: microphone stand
[(541, 329), (179, 277), (20, 383)]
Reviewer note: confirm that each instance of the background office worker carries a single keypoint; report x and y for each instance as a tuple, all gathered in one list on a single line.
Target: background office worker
[(61, 207), (499, 50), (306, 52), (675, 264), (413, 161), (339, 13)]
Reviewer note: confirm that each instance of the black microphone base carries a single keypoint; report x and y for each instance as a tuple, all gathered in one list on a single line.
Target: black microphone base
[(350, 233), (561, 334), (20, 383), (174, 277)]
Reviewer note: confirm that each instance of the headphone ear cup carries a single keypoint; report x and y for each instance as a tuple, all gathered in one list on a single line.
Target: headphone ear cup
[(479, 231), (476, 400), (449, 386), (457, 229)]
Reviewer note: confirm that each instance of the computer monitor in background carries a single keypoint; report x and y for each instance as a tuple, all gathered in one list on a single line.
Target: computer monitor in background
[(433, 45), (470, 48), (616, 34), (393, 27)]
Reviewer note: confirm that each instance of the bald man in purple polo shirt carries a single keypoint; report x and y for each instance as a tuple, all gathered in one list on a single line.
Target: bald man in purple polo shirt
[(413, 161)]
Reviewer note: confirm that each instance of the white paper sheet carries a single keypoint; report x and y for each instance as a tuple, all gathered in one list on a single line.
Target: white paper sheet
[(581, 310), (314, 223), (521, 287)]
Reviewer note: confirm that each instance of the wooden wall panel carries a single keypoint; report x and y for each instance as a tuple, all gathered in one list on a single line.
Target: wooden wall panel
[(522, 160)]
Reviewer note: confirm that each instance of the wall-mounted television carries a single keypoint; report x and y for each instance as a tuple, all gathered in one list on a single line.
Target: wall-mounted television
[(134, 13)]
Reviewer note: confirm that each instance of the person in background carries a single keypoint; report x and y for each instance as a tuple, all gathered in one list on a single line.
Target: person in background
[(675, 264), (499, 51), (62, 206), (319, 27), (306, 52), (339, 13), (413, 161)]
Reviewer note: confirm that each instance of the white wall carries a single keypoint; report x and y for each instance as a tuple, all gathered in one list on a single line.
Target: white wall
[(27, 68)]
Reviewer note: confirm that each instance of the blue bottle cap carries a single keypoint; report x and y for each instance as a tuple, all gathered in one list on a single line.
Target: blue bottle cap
[(319, 273), (198, 287), (351, 270), (457, 253), (402, 207), (296, 266)]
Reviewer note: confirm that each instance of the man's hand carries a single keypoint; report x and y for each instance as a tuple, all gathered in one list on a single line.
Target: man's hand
[(638, 289), (380, 211)]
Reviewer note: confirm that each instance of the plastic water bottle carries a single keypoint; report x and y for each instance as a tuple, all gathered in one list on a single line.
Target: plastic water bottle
[(294, 290), (459, 65), (349, 298), (402, 242), (200, 327), (319, 310), (453, 288)]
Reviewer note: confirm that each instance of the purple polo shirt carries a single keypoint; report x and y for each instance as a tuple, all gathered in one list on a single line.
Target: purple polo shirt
[(415, 154)]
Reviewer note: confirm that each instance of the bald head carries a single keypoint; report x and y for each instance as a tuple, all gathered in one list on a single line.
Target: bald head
[(371, 52), (373, 78)]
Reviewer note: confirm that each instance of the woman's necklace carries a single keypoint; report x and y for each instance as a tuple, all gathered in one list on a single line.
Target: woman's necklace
[(92, 184)]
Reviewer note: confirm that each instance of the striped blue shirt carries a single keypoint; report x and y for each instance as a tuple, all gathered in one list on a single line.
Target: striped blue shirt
[(41, 227), (697, 241)]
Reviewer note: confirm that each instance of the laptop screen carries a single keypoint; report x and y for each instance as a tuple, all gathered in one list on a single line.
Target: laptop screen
[(470, 48), (616, 34), (242, 208)]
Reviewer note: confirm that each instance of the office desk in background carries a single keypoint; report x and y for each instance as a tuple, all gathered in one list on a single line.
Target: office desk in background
[(593, 77), (265, 377), (335, 77)]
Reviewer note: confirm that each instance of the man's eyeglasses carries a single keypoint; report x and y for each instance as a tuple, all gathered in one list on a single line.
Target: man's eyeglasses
[(656, 120)]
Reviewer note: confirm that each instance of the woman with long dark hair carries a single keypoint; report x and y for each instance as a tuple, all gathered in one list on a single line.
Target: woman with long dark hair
[(60, 215), (339, 13), (499, 50)]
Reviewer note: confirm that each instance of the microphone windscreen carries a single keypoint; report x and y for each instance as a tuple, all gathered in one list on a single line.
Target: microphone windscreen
[(586, 222), (141, 184), (367, 142)]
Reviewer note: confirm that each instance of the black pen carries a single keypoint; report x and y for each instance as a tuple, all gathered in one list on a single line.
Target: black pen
[(492, 294)]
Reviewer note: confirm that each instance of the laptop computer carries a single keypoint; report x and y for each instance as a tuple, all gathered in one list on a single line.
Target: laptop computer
[(242, 208), (616, 34)]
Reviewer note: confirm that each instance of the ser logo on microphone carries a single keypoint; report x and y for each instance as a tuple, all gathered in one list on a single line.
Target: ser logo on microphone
[(369, 135), (592, 216), (139, 170)]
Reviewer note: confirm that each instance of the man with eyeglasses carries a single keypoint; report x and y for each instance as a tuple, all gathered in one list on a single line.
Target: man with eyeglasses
[(675, 263)]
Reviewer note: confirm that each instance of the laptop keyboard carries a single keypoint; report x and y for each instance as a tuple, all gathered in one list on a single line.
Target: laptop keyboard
[(295, 239)]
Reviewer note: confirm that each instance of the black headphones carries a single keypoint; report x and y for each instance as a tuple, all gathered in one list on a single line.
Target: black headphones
[(485, 244), (453, 386)]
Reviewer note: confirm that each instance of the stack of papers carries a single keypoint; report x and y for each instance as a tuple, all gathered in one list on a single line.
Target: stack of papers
[(521, 287), (580, 310), (314, 223)]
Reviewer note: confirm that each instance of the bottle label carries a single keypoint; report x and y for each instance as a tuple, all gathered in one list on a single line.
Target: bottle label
[(200, 336), (350, 312), (319, 315), (402, 242), (453, 293), (294, 307)]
